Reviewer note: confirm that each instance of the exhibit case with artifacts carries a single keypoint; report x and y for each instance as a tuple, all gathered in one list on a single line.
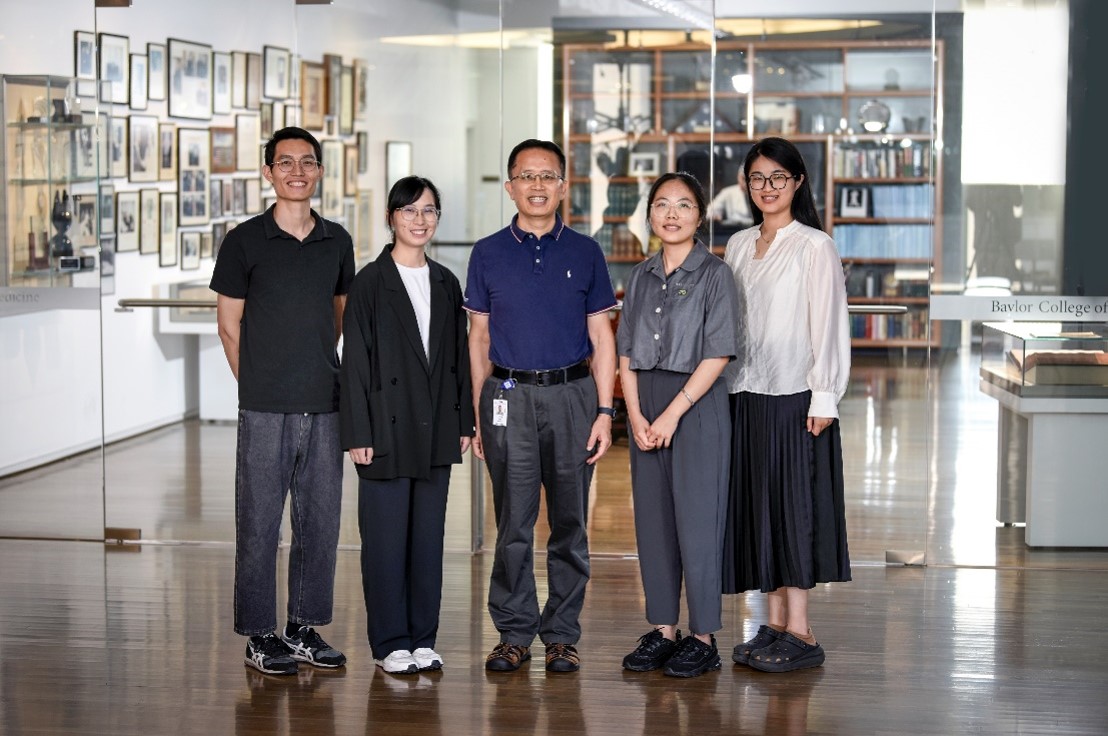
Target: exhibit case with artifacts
[(52, 155), (1045, 359)]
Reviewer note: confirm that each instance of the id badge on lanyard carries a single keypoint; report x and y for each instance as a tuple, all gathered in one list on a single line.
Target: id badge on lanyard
[(500, 404)]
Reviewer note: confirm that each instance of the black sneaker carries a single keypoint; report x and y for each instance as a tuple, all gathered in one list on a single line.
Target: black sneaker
[(693, 658), (269, 654), (308, 646), (653, 651)]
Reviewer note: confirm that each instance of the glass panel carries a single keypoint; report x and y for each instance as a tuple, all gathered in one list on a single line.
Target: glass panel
[(798, 70)]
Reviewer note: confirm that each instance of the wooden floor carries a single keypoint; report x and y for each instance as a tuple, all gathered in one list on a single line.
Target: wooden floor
[(989, 637)]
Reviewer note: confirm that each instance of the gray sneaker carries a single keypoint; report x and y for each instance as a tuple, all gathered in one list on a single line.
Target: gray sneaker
[(306, 645), (269, 654)]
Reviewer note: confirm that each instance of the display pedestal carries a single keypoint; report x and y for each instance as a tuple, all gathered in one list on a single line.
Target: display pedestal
[(1064, 468)]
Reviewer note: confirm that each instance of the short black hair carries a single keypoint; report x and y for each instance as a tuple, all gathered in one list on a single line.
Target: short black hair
[(291, 133), (550, 146), (408, 190)]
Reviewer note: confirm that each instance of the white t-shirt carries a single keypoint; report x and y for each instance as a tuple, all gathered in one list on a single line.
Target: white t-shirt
[(793, 323), (417, 282)]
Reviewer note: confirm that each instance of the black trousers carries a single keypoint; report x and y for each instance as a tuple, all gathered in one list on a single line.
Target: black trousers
[(543, 445), (402, 522)]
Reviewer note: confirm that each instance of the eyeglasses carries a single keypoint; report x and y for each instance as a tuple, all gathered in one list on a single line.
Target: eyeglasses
[(286, 165), (543, 177), (776, 181), (683, 208), (409, 213)]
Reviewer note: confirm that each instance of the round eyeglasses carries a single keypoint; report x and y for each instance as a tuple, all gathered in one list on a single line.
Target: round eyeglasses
[(776, 181), (543, 177), (409, 213), (682, 208), (286, 165)]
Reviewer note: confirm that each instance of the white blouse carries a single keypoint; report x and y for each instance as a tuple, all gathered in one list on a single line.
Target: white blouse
[(793, 326)]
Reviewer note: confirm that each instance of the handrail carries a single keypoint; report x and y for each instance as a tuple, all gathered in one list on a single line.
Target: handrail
[(877, 309)]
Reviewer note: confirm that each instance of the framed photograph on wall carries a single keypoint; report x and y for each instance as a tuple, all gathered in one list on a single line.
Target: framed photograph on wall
[(149, 221), (253, 81), (313, 95), (127, 221), (644, 164), (83, 232), (398, 162), (333, 70), (193, 172), (278, 116), (167, 241), (205, 245), (238, 79), (346, 116), (223, 151), (107, 209), (246, 142), (117, 148), (143, 148), (115, 68), (228, 197), (265, 120), (190, 251), (276, 63), (221, 83), (190, 80), (238, 199), (167, 152), (333, 153), (363, 152), (364, 232), (84, 55), (350, 170), (155, 71), (361, 89), (215, 198), (139, 81), (253, 204), (854, 202)]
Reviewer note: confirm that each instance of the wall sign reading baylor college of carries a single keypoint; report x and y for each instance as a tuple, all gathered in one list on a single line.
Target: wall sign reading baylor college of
[(1020, 308)]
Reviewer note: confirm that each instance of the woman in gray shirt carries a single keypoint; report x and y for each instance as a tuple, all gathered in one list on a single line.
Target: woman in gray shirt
[(676, 334)]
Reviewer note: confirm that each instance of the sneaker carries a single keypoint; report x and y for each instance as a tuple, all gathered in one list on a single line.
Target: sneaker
[(427, 659), (399, 662), (507, 657), (693, 658), (562, 658), (269, 654), (653, 651), (308, 646)]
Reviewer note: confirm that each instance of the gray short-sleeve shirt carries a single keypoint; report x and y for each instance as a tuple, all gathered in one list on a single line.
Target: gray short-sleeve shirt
[(674, 323)]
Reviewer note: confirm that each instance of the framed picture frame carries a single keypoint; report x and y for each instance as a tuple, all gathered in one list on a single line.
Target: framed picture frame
[(349, 214), (167, 152), (253, 199), (350, 172), (313, 95), (346, 114), (149, 221), (206, 244), (398, 162), (107, 249), (854, 202), (247, 141), (167, 241), (223, 151), (190, 80), (221, 83), (193, 173), (333, 188), (219, 231), (155, 71), (276, 67), (238, 198), (363, 152), (333, 70), (107, 209), (115, 68), (139, 82), (292, 115), (265, 120), (642, 163), (361, 88), (83, 232), (190, 250), (364, 232), (228, 197), (84, 55), (117, 148), (254, 73), (127, 221), (215, 198), (238, 79), (278, 116), (143, 148)]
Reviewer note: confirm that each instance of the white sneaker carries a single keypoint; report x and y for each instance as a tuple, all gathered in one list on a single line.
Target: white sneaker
[(398, 662), (427, 659)]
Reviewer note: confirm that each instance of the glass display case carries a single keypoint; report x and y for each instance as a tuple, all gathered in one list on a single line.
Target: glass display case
[(1046, 359)]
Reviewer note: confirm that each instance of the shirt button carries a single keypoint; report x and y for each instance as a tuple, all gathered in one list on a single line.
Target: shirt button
[(537, 260), (657, 310), (657, 336), (663, 287)]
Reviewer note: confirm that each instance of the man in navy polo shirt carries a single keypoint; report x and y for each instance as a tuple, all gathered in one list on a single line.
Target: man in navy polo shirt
[(543, 368), (281, 280)]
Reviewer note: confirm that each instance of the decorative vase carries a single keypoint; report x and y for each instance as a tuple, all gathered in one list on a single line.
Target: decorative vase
[(61, 217)]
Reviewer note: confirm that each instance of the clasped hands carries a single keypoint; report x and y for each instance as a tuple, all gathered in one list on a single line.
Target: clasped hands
[(653, 435)]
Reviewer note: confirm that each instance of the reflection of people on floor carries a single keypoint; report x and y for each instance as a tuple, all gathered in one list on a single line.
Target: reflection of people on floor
[(787, 702), (416, 697), (303, 703)]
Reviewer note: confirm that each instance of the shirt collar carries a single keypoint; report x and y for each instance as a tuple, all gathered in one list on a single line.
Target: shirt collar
[(520, 234), (693, 261), (320, 231)]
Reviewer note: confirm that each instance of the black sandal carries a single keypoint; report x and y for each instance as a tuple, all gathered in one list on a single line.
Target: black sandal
[(766, 636), (786, 654)]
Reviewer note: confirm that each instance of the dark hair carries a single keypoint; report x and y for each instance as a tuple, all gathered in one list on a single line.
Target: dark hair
[(688, 180), (291, 133), (408, 190), (786, 154), (550, 146)]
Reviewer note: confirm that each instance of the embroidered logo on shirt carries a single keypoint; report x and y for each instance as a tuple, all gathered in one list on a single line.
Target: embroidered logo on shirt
[(569, 274), (682, 292)]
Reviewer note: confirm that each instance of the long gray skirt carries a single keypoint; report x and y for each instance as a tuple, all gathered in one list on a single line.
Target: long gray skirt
[(786, 518)]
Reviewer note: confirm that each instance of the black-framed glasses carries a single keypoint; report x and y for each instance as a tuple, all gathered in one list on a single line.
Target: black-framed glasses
[(543, 177), (286, 165), (409, 213), (776, 181)]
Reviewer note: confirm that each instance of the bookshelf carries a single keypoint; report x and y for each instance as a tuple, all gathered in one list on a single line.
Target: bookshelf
[(862, 113)]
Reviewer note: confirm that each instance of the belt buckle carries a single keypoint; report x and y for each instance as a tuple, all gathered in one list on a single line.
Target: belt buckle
[(542, 378)]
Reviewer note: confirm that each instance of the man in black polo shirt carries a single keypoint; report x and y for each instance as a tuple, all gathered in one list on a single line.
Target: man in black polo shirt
[(281, 280), (538, 294)]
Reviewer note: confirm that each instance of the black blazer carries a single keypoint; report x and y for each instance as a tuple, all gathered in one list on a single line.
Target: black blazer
[(412, 411)]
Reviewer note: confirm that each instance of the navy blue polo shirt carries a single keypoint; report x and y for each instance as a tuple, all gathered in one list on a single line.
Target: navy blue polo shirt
[(287, 358), (538, 294)]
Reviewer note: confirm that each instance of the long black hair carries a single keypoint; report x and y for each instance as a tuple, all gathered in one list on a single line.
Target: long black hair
[(783, 152), (694, 186)]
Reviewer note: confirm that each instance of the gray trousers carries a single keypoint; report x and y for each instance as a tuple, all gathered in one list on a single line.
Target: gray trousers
[(680, 495), (543, 445)]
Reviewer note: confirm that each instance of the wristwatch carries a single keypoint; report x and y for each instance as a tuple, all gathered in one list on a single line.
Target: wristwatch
[(606, 410)]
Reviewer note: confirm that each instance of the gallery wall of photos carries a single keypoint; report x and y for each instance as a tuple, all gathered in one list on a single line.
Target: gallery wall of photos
[(178, 182)]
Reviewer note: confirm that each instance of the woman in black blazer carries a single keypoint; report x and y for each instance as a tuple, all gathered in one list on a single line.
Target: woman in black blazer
[(406, 415)]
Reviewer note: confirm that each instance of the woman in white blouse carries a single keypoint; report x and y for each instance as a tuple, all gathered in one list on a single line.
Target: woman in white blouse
[(786, 526)]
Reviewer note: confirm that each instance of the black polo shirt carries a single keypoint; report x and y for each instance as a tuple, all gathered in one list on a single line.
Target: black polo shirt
[(287, 357)]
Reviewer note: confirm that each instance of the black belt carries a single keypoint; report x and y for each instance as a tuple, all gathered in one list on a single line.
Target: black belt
[(544, 378)]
